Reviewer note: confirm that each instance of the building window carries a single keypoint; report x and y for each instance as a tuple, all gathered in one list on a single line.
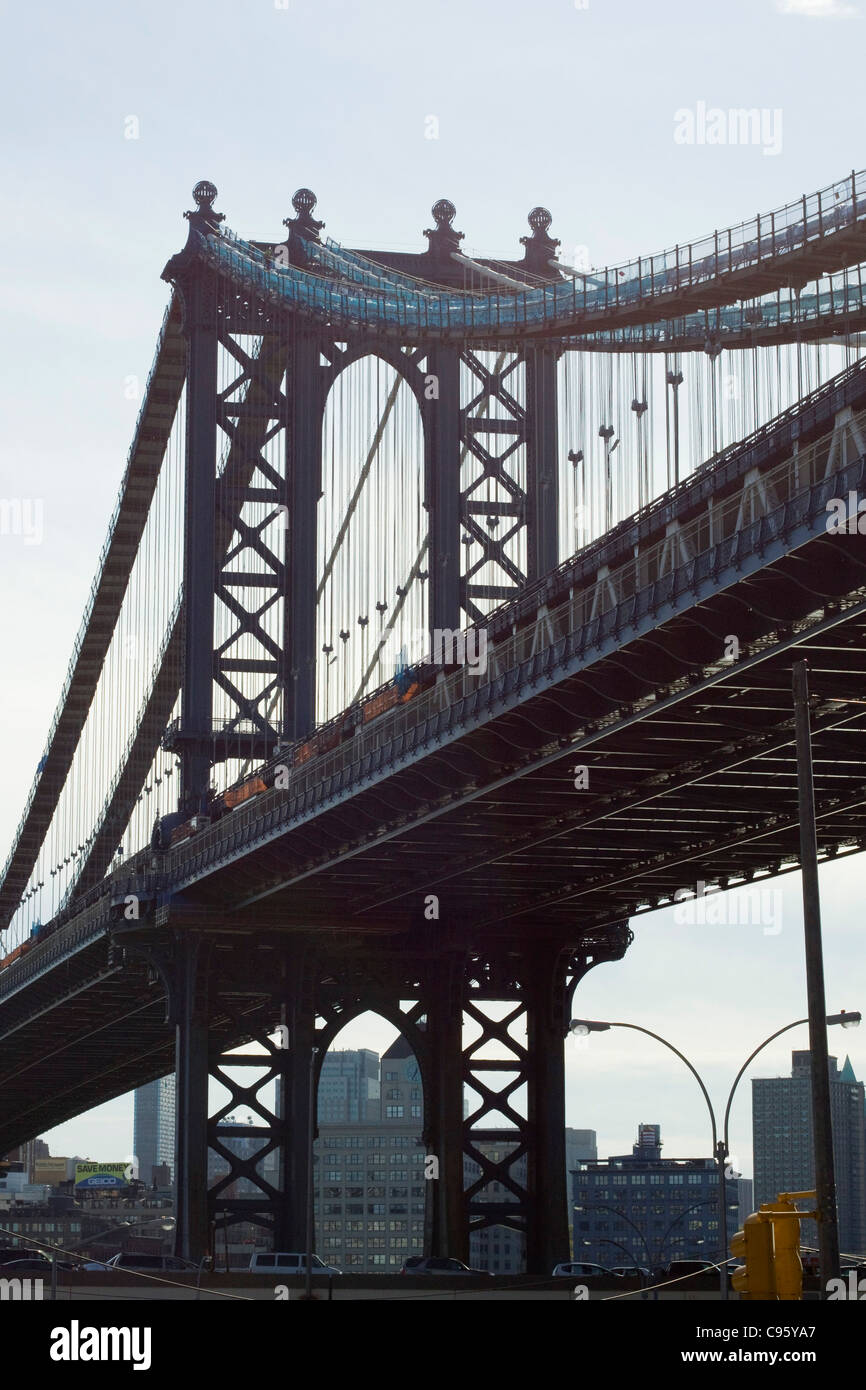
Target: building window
[(391, 1076), (393, 1094), (416, 1112), (393, 1112)]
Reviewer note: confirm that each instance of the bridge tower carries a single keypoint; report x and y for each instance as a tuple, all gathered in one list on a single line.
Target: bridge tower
[(257, 438)]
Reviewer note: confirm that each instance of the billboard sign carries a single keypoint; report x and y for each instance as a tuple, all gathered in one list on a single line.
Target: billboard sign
[(101, 1175)]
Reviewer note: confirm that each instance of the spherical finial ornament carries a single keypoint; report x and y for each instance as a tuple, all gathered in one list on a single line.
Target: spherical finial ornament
[(540, 219), (444, 212), (303, 201), (204, 193)]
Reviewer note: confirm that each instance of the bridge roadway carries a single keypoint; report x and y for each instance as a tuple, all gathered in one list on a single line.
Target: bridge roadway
[(619, 663)]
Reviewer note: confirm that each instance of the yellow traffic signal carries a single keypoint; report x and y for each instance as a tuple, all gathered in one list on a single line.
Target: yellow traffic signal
[(785, 1220), (754, 1244)]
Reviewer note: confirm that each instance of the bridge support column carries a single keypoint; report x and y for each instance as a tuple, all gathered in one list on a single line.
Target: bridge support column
[(443, 1093), (547, 1219), (191, 1072), (304, 471), (442, 486), (200, 315), (293, 1102), (542, 466)]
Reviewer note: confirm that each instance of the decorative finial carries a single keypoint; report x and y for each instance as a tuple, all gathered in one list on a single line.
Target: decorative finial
[(540, 248), (304, 224), (204, 219), (442, 238)]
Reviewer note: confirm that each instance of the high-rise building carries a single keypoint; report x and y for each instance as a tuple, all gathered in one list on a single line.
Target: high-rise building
[(371, 1176), (369, 1179), (27, 1154), (642, 1209), (783, 1144), (153, 1127), (580, 1144), (349, 1088)]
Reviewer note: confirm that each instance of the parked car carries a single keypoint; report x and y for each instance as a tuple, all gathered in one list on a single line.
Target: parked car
[(439, 1264), (629, 1272), (283, 1262), (577, 1269), (144, 1264), (34, 1264)]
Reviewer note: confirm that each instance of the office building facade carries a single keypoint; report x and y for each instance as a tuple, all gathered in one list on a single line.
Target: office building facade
[(369, 1183), (782, 1136), (348, 1088), (645, 1210), (154, 1127)]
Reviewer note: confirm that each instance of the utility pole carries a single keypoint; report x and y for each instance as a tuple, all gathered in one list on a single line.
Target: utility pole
[(825, 1178)]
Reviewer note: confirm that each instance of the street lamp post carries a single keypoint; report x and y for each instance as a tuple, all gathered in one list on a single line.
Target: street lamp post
[(603, 1206), (705, 1202), (582, 1026)]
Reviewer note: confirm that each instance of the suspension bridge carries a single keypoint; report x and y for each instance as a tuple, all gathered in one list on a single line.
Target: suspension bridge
[(444, 625)]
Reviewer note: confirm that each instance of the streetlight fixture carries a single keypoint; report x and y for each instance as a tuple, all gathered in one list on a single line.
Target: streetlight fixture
[(603, 1206), (582, 1027)]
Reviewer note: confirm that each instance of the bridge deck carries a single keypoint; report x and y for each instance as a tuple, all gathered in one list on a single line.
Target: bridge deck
[(616, 663)]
